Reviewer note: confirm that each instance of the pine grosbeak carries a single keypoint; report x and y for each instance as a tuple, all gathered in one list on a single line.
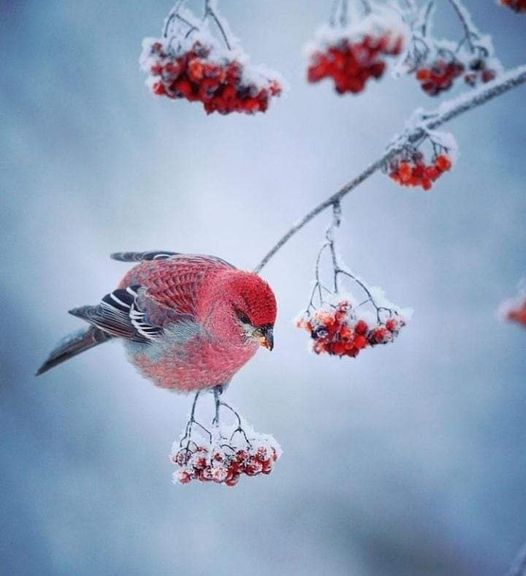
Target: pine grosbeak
[(188, 322)]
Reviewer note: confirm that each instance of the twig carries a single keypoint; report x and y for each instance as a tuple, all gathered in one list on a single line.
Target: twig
[(464, 18), (210, 10), (446, 112), (427, 17), (411, 5), (174, 13)]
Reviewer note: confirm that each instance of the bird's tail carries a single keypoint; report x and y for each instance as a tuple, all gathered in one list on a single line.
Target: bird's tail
[(74, 344)]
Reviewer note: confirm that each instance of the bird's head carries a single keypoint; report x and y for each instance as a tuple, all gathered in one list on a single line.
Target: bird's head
[(251, 305)]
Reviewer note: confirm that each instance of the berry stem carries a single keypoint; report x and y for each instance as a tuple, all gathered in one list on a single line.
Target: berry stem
[(174, 13), (366, 7), (411, 6), (217, 401), (190, 424), (427, 18), (469, 29), (337, 267), (446, 112), (239, 428), (210, 10), (339, 13), (330, 235)]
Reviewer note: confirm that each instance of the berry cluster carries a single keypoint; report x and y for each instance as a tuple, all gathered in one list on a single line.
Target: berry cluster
[(438, 76), (410, 169), (200, 73), (517, 5), (337, 330), (222, 462), (479, 72), (351, 63)]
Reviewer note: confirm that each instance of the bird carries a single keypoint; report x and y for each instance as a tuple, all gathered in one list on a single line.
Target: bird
[(189, 322)]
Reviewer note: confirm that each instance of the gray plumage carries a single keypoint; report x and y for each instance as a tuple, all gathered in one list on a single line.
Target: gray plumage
[(74, 344)]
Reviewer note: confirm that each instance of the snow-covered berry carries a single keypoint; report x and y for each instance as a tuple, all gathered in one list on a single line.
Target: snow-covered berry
[(410, 168), (352, 55), (223, 457), (220, 80), (341, 329), (437, 76)]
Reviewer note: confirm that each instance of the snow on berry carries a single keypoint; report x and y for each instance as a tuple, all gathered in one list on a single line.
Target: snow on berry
[(223, 455), (352, 54), (480, 70), (188, 62), (438, 74), (340, 324), (516, 5), (409, 166), (342, 328), (437, 64), (514, 309)]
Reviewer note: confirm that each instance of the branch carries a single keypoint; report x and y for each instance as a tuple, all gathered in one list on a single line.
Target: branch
[(446, 112)]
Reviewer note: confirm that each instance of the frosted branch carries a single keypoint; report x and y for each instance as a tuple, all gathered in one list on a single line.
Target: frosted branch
[(429, 121)]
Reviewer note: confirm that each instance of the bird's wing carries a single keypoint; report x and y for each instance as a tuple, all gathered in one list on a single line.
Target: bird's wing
[(166, 255), (130, 313), (174, 283), (141, 256)]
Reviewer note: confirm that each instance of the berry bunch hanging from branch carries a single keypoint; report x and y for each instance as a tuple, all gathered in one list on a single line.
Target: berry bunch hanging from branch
[(190, 62), (342, 322), (355, 47), (409, 166), (436, 64), (222, 452)]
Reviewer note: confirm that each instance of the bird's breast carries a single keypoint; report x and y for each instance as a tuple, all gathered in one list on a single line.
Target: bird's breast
[(197, 363)]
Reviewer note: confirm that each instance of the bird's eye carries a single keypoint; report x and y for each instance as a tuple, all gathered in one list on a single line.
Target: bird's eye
[(243, 318)]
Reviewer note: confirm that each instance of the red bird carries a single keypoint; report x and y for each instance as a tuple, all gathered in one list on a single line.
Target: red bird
[(188, 322)]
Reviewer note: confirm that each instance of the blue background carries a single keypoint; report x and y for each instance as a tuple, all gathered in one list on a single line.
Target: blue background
[(407, 460)]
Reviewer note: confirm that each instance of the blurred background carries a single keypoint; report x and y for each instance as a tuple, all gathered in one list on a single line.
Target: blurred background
[(408, 460)]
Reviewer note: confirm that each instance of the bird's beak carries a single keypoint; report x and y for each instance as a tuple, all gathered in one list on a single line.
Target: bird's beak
[(265, 337)]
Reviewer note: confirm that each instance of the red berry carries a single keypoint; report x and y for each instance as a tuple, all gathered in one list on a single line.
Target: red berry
[(184, 477), (351, 63), (159, 89), (443, 163), (361, 328)]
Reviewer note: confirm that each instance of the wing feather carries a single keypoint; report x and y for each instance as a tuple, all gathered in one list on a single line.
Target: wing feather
[(175, 283)]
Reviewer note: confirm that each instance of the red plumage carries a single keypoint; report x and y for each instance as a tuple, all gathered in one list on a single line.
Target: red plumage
[(211, 292), (189, 322)]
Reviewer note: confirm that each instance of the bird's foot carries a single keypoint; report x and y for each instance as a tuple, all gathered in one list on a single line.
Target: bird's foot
[(218, 390)]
